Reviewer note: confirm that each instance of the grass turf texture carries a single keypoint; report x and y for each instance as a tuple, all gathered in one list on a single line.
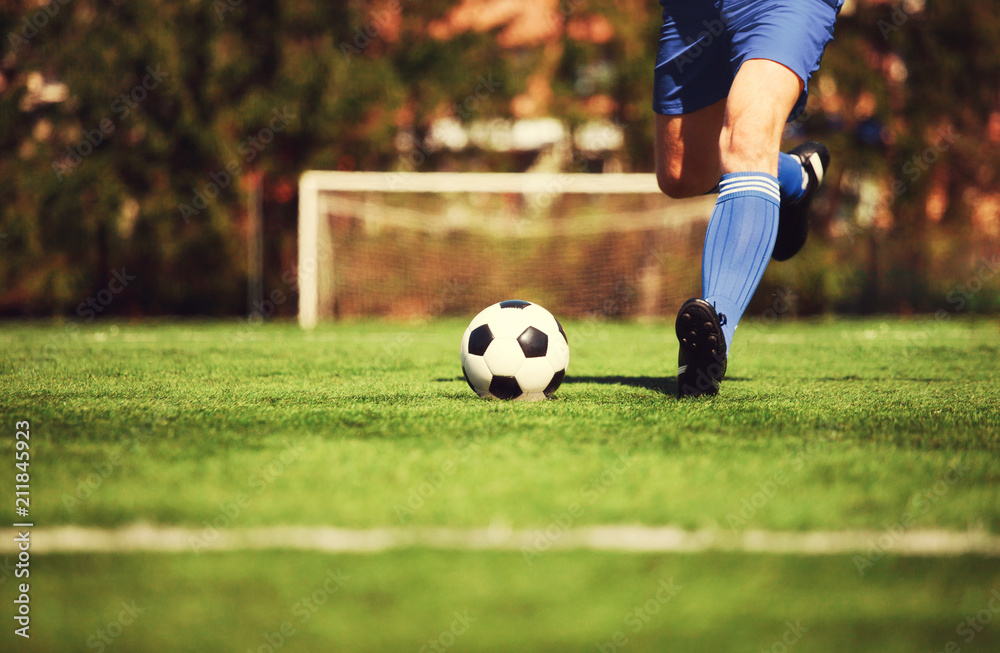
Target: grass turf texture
[(844, 424), (404, 601), (820, 426)]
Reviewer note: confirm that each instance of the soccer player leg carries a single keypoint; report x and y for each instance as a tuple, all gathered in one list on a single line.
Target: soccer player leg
[(794, 35), (691, 81), (687, 161), (744, 224)]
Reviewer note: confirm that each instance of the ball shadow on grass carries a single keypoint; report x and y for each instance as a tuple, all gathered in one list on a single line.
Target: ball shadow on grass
[(661, 384)]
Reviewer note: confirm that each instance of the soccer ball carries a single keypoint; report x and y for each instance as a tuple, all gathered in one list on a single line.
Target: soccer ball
[(514, 350)]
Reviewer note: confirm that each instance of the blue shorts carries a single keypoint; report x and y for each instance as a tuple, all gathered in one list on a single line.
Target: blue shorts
[(703, 43)]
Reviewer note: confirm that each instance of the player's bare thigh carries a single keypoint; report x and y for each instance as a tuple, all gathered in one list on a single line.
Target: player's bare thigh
[(687, 151), (759, 102)]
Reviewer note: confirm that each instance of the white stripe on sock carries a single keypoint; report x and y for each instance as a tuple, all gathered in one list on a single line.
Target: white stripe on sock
[(756, 184), (761, 178), (761, 189)]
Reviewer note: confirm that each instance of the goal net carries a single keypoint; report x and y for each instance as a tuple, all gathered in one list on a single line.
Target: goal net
[(421, 245)]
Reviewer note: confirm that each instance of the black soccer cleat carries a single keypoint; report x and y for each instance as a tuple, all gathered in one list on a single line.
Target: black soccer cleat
[(701, 363), (793, 218)]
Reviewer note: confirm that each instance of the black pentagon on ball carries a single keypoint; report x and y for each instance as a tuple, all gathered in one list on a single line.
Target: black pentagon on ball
[(505, 387), (553, 385), (480, 339), (565, 337), (534, 343), (514, 303)]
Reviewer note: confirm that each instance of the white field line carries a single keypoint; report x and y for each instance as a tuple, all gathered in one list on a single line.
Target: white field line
[(637, 539)]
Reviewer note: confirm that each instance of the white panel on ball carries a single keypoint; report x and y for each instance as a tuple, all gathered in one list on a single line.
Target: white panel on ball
[(535, 375), (477, 371), (509, 323), (504, 356)]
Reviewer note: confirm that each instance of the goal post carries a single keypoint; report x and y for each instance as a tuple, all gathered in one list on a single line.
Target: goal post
[(405, 244)]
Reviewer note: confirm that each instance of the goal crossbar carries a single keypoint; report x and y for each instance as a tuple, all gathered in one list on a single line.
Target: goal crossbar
[(479, 182)]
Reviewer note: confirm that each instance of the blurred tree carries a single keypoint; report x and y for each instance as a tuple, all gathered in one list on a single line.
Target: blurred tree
[(127, 130)]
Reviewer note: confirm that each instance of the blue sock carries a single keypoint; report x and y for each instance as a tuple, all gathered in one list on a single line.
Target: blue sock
[(790, 177), (738, 243)]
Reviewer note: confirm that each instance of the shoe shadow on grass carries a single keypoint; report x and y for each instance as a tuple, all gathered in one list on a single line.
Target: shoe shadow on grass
[(661, 384)]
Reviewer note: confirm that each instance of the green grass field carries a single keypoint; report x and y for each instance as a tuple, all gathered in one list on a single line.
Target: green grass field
[(839, 425)]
